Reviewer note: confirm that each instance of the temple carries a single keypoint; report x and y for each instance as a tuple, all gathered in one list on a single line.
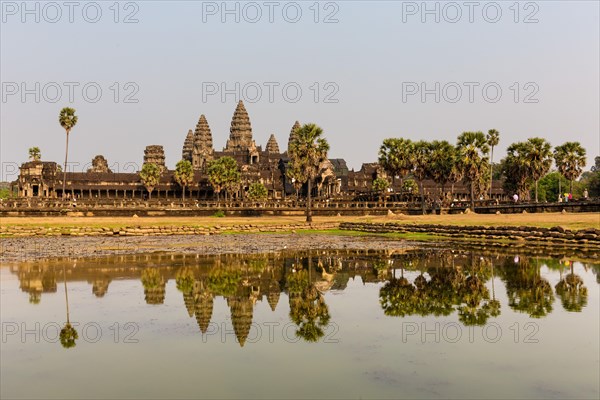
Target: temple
[(44, 178)]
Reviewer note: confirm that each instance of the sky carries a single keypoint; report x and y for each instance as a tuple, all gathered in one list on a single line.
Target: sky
[(141, 73)]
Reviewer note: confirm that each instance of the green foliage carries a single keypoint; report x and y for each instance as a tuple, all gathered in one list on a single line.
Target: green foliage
[(591, 181), (493, 138), (151, 278), (223, 281), (515, 167), (68, 336), (257, 192), (442, 162), (150, 176), (410, 186), (223, 174), (219, 214), (380, 185), (185, 280), (34, 153), (570, 160), (472, 149), (184, 174), (67, 118), (548, 186), (395, 156), (5, 193), (307, 151)]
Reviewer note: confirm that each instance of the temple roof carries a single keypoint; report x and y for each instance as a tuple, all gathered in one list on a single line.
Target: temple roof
[(240, 136), (203, 135), (292, 133), (272, 146)]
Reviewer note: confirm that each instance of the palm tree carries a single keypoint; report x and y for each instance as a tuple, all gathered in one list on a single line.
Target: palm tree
[(570, 160), (184, 174), (223, 174), (441, 163), (516, 168), (68, 334), (493, 138), (472, 151), (421, 166), (307, 151), (35, 154), (68, 120), (395, 156), (539, 155), (150, 176)]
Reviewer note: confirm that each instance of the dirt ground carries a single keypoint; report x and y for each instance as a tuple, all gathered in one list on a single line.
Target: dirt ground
[(568, 220)]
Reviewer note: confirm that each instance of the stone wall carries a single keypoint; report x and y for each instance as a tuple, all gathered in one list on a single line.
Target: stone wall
[(19, 231), (589, 237)]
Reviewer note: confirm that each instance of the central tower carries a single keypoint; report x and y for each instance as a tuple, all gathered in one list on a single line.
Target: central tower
[(240, 135)]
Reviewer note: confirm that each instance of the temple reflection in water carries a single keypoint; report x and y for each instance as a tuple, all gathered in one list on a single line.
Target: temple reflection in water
[(412, 283)]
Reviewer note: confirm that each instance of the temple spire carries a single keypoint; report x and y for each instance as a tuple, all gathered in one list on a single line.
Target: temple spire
[(272, 146), (188, 146), (293, 133), (240, 133), (202, 149)]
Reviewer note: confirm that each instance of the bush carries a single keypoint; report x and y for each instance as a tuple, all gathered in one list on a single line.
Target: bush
[(219, 214)]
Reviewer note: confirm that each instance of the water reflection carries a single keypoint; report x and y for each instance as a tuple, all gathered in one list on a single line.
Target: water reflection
[(412, 283), (68, 334)]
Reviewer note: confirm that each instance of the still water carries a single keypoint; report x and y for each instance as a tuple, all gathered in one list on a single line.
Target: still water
[(422, 323)]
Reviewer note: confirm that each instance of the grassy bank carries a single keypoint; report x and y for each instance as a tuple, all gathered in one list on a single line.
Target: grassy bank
[(547, 220)]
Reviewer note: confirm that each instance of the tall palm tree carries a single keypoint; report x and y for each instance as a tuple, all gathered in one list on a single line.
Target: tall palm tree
[(570, 160), (472, 151), (539, 155), (68, 334), (68, 120), (493, 138), (184, 174), (395, 156), (307, 151), (421, 166), (442, 162)]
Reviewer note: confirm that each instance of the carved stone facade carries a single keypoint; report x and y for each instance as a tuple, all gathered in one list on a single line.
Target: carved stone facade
[(99, 165), (269, 166), (155, 154), (272, 146), (202, 145)]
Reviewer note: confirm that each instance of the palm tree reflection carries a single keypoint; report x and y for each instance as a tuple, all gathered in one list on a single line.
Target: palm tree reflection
[(572, 293), (68, 334)]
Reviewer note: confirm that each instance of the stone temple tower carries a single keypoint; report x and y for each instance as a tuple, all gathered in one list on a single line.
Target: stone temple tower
[(240, 135), (155, 154), (188, 146), (293, 134), (272, 146), (202, 145)]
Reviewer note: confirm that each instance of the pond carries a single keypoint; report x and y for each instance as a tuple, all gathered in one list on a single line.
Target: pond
[(418, 323)]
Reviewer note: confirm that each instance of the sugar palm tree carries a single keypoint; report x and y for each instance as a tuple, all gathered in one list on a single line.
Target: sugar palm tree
[(472, 151), (150, 176), (570, 160), (184, 174), (35, 154), (493, 138), (68, 120), (395, 156), (307, 151), (421, 166), (442, 162), (539, 156), (68, 334)]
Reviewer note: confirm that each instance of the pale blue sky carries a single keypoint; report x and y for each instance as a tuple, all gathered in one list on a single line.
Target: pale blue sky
[(369, 54)]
